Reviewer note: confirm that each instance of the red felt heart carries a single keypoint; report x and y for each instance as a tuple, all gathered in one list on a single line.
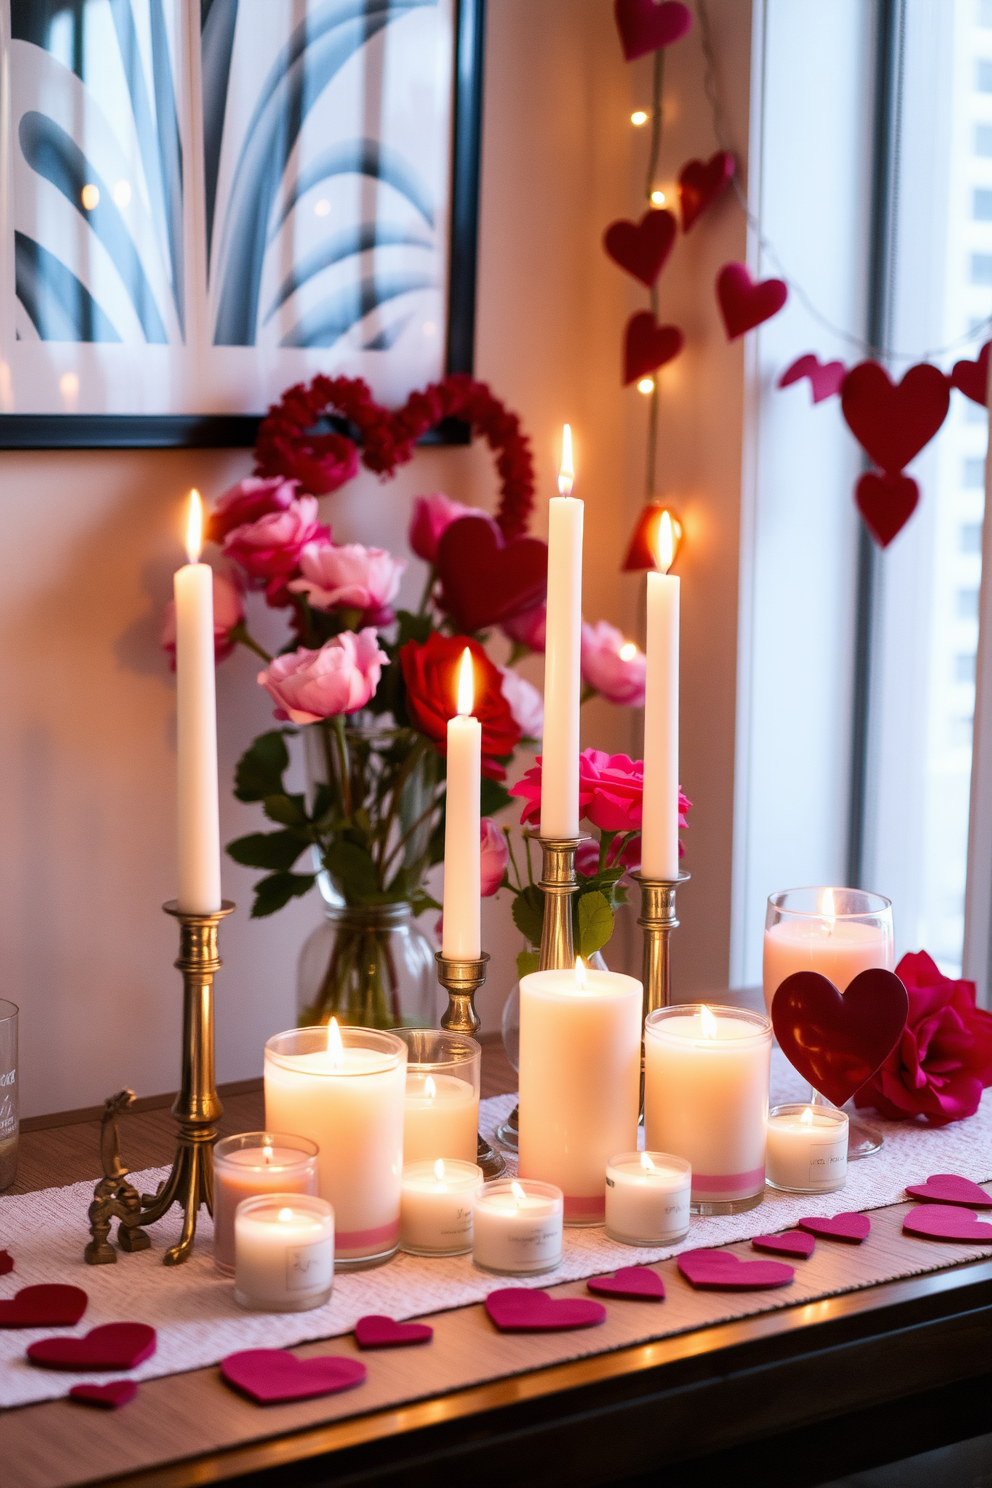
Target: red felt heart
[(641, 247), (6, 1262), (945, 1222), (825, 377), (48, 1306), (893, 421), (886, 502), (745, 304), (972, 378), (791, 1243), (647, 346), (268, 1375), (644, 25), (519, 1310), (701, 182), (852, 1228), (951, 1188), (837, 1041), (486, 577), (722, 1271), (378, 1331), (636, 1283), (109, 1397), (113, 1346)]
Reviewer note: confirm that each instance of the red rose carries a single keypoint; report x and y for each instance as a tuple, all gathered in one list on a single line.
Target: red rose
[(430, 672), (943, 1061)]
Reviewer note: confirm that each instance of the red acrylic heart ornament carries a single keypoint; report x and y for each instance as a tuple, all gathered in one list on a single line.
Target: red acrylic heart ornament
[(519, 1310), (745, 304), (114, 1346), (647, 346), (701, 182), (893, 421), (951, 1188), (635, 1283), (50, 1305), (722, 1271), (851, 1228), (107, 1397), (6, 1262), (825, 378), (270, 1375), (642, 247), (378, 1331), (945, 1222), (791, 1243), (972, 378), (644, 25), (886, 502), (837, 1041), (486, 577)]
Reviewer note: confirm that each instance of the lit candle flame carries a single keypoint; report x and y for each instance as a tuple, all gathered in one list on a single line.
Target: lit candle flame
[(664, 543), (580, 974), (439, 1170), (647, 1164), (708, 1021), (194, 527), (566, 471), (517, 1191), (466, 684), (828, 909), (430, 1089), (335, 1047), (806, 1119), (627, 651), (267, 1153), (284, 1215)]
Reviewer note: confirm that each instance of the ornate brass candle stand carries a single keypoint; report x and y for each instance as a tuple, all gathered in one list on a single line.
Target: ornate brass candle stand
[(657, 919), (197, 1108), (461, 978)]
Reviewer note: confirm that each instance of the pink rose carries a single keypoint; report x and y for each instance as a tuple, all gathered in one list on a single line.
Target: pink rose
[(526, 703), (339, 678), (431, 515), (246, 502), (528, 628), (350, 577), (587, 855), (229, 611), (612, 665), (495, 855), (611, 788), (269, 549)]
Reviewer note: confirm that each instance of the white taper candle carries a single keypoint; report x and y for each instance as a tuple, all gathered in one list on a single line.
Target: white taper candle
[(196, 728), (660, 825), (562, 660), (461, 935)]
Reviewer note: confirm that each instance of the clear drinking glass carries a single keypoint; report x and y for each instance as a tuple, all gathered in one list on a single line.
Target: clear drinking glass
[(9, 1111)]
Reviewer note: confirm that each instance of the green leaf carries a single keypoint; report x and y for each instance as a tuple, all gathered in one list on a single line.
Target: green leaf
[(273, 892), (595, 922), (493, 797), (410, 627), (289, 811), (527, 961), (528, 913), (354, 870), (420, 901), (278, 850), (259, 770)]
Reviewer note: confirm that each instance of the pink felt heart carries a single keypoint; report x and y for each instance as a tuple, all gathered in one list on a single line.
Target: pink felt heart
[(837, 1041), (722, 1271), (972, 378), (114, 1346), (825, 377), (791, 1243), (701, 182), (635, 1283), (893, 421), (852, 1228), (886, 502), (648, 346), (645, 25), (519, 1310), (378, 1331), (745, 304), (641, 247), (50, 1305), (108, 1397), (946, 1222), (268, 1375), (6, 1262), (951, 1188), (485, 576)]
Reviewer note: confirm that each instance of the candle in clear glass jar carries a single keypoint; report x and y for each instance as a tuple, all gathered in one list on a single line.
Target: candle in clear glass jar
[(436, 1207), (283, 1252), (517, 1226), (647, 1198), (806, 1148), (250, 1164), (442, 1095), (837, 932)]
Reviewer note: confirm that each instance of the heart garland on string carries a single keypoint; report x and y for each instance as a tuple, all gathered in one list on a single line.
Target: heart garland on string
[(838, 1040), (701, 182), (972, 378), (642, 247), (893, 421), (648, 346), (486, 577), (886, 502), (645, 26), (744, 303), (825, 378)]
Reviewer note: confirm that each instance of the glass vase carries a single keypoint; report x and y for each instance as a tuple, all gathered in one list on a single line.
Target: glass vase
[(371, 966)]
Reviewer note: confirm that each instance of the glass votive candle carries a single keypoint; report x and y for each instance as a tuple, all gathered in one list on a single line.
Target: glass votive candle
[(441, 1113), (837, 932), (517, 1226), (806, 1149), (344, 1088), (9, 1108), (647, 1198), (283, 1252), (706, 1099), (436, 1207), (256, 1163)]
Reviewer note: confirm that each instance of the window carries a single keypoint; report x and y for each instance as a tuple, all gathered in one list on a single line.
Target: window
[(967, 608), (984, 76), (973, 473), (982, 205), (981, 268), (970, 537), (983, 139)]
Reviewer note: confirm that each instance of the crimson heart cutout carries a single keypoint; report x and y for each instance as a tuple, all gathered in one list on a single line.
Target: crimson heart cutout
[(791, 1243), (837, 1041), (951, 1188), (519, 1310), (722, 1271), (893, 421), (642, 247), (6, 1262), (113, 1346), (378, 1331), (886, 502), (268, 1375), (701, 182), (486, 577), (644, 25), (647, 346), (972, 378), (110, 1397), (50, 1305), (635, 1283), (944, 1222), (825, 378), (852, 1228), (745, 304)]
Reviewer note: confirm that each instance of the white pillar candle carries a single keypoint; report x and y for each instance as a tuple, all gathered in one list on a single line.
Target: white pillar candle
[(562, 657), (461, 935), (251, 1164), (344, 1089), (441, 1118), (196, 728), (706, 1099), (436, 1207), (838, 946), (647, 1198), (283, 1252), (807, 1148), (517, 1227), (660, 821), (580, 1063)]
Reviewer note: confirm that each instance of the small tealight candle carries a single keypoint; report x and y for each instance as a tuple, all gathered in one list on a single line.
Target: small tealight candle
[(517, 1226), (255, 1163), (647, 1198), (283, 1252), (436, 1207), (806, 1148)]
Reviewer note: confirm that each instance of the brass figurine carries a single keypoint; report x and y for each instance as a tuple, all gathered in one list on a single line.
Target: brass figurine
[(114, 1197), (461, 977)]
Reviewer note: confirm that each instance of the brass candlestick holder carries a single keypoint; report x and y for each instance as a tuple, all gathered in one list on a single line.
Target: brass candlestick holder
[(657, 919), (197, 1108), (461, 977)]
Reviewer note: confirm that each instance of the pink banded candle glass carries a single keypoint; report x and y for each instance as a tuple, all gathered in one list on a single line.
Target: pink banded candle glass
[(250, 1164), (837, 932)]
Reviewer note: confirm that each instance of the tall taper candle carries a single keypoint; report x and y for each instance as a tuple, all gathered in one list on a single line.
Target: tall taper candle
[(196, 727), (660, 825), (562, 675), (461, 935)]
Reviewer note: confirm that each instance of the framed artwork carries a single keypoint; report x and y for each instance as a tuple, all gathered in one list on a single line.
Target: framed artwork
[(204, 201)]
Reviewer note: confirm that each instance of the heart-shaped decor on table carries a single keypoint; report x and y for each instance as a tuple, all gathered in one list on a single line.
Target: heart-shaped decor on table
[(270, 1375), (6, 1262), (893, 421), (647, 346), (972, 378), (519, 1310), (701, 182), (745, 304), (946, 1222), (642, 247), (849, 1227), (50, 1305), (107, 1397), (634, 1283), (112, 1346), (950, 1188), (838, 1040), (791, 1243), (485, 576), (378, 1331), (886, 502), (645, 25), (722, 1271), (825, 378)]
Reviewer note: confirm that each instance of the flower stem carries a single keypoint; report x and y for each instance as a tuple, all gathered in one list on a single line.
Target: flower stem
[(240, 634), (342, 743)]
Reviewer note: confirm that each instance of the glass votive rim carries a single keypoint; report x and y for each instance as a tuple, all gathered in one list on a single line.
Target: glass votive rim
[(282, 1048), (310, 1204), (875, 906), (760, 1025), (420, 1177), (424, 1168), (836, 1117), (533, 1188), (303, 1165), (258, 1141), (440, 1049), (677, 1168)]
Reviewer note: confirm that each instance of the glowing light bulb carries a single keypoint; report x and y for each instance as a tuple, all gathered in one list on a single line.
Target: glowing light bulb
[(638, 117), (517, 1191), (566, 470), (322, 207), (122, 193), (646, 385), (90, 196), (335, 1046), (194, 527), (627, 651), (657, 198), (284, 1215), (466, 684), (708, 1021)]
